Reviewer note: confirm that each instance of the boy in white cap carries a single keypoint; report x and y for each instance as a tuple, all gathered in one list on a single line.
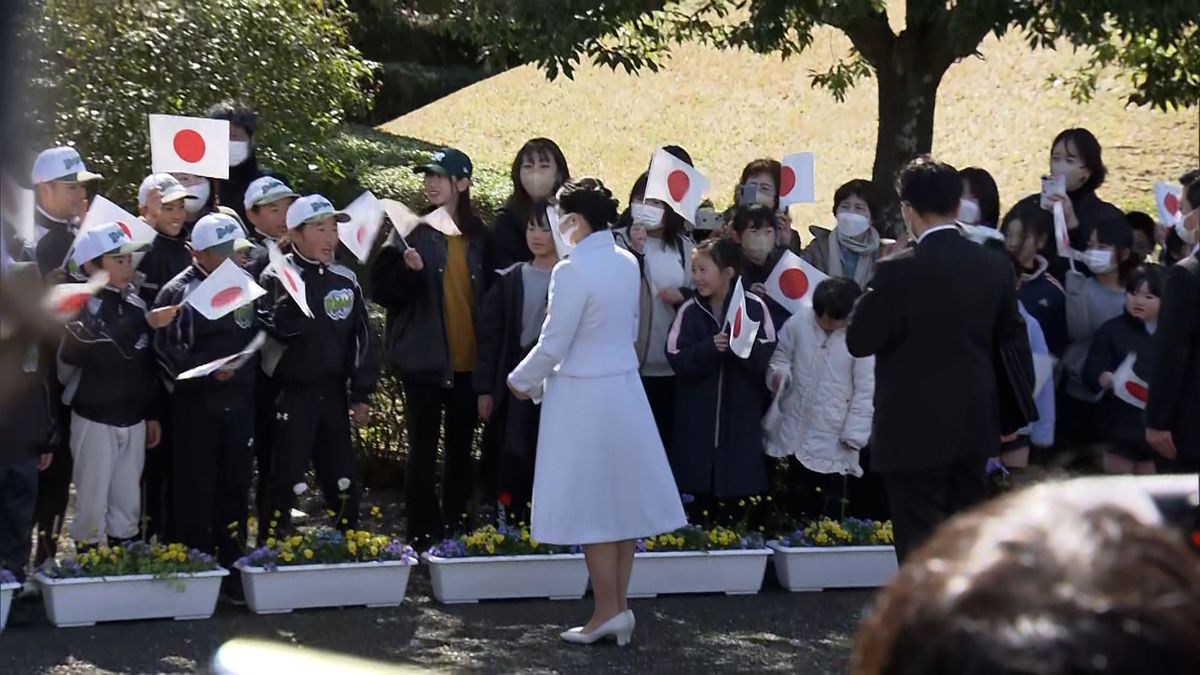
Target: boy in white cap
[(58, 177), (317, 361), (107, 366), (212, 417), (266, 201)]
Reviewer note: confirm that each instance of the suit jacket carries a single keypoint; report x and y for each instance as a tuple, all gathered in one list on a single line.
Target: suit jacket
[(937, 318), (1175, 377)]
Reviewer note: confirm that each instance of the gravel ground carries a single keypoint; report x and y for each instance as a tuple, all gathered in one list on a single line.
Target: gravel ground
[(772, 631)]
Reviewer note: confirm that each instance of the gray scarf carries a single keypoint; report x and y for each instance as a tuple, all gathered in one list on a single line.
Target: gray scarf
[(866, 251)]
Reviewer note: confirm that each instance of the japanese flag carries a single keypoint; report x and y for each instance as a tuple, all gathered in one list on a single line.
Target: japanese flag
[(292, 282), (1128, 386), (678, 185), (742, 330), (102, 211), (792, 282), (65, 300), (1166, 198), (797, 180), (226, 289), (229, 363), (358, 233), (189, 145)]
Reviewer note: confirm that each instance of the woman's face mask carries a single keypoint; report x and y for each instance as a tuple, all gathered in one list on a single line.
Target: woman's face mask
[(852, 224), (758, 244), (1099, 261), (239, 152), (968, 211), (1066, 163), (1188, 226), (201, 192), (647, 215)]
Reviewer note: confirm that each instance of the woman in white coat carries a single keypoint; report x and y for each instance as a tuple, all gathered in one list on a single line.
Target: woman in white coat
[(601, 477), (826, 405)]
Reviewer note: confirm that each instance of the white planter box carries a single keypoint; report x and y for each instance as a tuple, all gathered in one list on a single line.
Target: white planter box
[(83, 602), (816, 568), (459, 580), (374, 584), (7, 591), (729, 572)]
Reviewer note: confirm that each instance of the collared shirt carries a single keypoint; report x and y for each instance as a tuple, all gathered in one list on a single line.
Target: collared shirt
[(936, 228), (39, 231)]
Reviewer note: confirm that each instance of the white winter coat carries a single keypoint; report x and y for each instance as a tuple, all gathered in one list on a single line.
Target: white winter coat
[(827, 401)]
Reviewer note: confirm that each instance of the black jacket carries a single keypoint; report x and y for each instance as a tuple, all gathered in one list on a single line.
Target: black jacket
[(717, 446), (1112, 342), (336, 345), (415, 333), (499, 334), (52, 248), (107, 361), (1089, 209), (167, 257), (260, 257), (508, 239), (1175, 377), (26, 409), (192, 340), (1046, 300), (936, 318)]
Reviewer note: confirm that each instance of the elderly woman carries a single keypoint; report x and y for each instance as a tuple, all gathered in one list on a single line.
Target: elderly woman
[(852, 248), (601, 478)]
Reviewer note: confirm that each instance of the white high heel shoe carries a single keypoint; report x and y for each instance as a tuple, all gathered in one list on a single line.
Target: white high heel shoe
[(620, 627)]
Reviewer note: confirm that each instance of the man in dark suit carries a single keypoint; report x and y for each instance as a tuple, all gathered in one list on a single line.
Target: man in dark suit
[(1173, 410), (936, 318)]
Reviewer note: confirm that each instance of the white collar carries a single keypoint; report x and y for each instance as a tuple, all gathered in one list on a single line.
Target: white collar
[(50, 217), (936, 228)]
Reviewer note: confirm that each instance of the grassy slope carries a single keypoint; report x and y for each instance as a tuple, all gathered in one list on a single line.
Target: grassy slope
[(727, 108)]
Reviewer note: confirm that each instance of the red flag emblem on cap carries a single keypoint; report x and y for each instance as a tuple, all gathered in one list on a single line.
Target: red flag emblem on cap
[(125, 228), (195, 145)]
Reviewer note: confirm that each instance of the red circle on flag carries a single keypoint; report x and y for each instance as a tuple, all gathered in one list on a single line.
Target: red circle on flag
[(226, 297), (189, 145), (125, 229), (362, 232), (737, 323), (1171, 203), (793, 283), (788, 180), (72, 303), (678, 184), (1137, 391), (291, 281)]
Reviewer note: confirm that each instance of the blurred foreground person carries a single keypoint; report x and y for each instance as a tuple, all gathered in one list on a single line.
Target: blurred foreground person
[(1075, 577)]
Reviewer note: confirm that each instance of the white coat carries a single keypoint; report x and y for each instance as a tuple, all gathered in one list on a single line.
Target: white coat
[(828, 397), (601, 473)]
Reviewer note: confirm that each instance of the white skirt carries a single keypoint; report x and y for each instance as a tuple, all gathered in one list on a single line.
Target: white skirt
[(601, 474)]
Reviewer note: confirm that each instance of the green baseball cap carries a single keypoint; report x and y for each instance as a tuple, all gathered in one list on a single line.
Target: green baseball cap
[(447, 162)]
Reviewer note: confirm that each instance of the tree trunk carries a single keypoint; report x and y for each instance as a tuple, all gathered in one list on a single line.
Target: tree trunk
[(908, 84)]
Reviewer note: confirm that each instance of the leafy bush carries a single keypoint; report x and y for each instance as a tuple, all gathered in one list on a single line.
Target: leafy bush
[(98, 69)]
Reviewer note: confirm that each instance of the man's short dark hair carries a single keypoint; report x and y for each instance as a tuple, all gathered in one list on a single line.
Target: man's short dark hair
[(834, 298), (238, 114), (930, 187), (1141, 221), (754, 216)]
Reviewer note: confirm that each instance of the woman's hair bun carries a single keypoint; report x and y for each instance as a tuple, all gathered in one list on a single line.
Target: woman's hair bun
[(588, 197)]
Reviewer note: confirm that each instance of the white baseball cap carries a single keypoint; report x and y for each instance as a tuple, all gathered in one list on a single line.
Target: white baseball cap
[(215, 229), (266, 190), (312, 207), (106, 239), (61, 164), (167, 185)]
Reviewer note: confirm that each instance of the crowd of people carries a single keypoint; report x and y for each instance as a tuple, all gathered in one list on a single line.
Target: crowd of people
[(973, 340)]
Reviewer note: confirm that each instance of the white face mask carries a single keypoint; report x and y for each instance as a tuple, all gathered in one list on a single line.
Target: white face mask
[(1074, 175), (239, 151), (757, 247), (968, 211), (647, 215), (1188, 236), (852, 224), (201, 192), (1099, 262)]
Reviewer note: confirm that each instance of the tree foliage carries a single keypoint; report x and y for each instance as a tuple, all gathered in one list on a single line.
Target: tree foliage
[(97, 69), (1156, 43)]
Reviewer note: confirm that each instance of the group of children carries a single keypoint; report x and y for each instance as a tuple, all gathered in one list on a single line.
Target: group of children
[(158, 455)]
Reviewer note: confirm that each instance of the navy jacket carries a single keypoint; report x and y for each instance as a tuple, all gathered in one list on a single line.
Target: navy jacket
[(1046, 300), (717, 447), (1111, 344)]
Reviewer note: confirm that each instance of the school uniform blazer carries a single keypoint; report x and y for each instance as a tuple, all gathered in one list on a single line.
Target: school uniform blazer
[(1175, 378), (936, 319), (592, 321)]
